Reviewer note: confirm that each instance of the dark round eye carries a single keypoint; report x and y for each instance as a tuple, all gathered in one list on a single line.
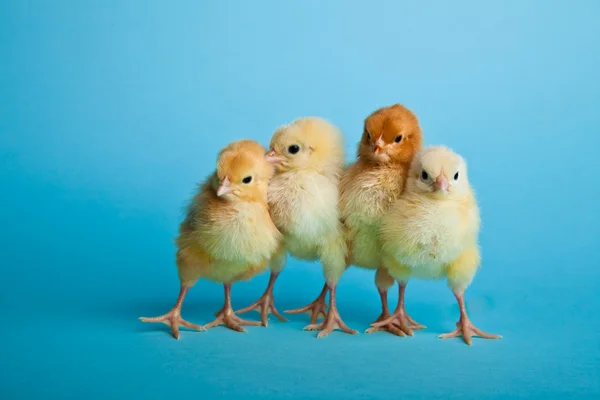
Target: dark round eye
[(424, 175), (247, 180), (398, 139), (456, 176), (293, 149)]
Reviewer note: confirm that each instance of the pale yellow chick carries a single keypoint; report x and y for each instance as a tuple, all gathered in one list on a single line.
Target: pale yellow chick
[(228, 234), (303, 200), (431, 232)]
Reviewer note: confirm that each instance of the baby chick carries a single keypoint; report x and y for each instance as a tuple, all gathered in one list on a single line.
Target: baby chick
[(228, 234), (303, 200), (431, 232), (390, 139)]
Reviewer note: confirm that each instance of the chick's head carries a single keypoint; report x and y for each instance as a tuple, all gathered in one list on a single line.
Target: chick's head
[(440, 173), (391, 135), (309, 143), (242, 173)]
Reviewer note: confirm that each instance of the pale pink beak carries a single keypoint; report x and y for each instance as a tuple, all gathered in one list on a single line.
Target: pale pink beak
[(225, 187), (273, 158), (378, 146), (441, 183)]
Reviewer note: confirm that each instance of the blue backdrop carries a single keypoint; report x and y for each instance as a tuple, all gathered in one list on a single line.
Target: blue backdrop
[(111, 112)]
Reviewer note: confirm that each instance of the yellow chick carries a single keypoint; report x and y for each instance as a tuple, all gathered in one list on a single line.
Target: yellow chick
[(431, 232), (228, 234), (303, 200)]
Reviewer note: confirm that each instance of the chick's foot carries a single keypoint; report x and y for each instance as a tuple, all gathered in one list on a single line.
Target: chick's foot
[(395, 323), (412, 324), (385, 314), (315, 309), (464, 326), (174, 320), (173, 317), (232, 321), (399, 323), (387, 327), (332, 320), (227, 317), (467, 330), (266, 304)]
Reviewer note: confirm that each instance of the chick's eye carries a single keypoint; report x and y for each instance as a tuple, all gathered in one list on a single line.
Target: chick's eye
[(456, 176), (398, 139), (293, 149), (424, 175), (247, 180)]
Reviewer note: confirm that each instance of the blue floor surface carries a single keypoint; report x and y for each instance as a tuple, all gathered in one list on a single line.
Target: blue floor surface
[(110, 112)]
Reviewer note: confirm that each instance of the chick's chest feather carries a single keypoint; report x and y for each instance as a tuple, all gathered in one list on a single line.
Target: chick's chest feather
[(366, 193), (426, 234), (304, 206), (238, 232)]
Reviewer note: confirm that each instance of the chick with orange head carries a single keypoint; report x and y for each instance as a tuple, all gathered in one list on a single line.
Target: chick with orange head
[(303, 200), (391, 138), (227, 234)]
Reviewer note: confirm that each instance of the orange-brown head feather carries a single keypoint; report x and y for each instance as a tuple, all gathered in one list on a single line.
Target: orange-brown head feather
[(242, 172), (391, 135)]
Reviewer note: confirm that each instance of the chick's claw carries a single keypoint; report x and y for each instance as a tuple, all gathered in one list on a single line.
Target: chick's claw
[(315, 309), (388, 327), (331, 322), (467, 330), (396, 324), (228, 318), (391, 328), (332, 319), (264, 306), (173, 319), (413, 324)]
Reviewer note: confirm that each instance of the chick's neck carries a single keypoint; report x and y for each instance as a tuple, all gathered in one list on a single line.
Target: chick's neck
[(370, 162)]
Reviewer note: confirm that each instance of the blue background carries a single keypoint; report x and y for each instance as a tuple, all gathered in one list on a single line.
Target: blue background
[(111, 112)]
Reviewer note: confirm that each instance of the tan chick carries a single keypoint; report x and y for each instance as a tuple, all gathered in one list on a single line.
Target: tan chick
[(391, 138), (432, 231), (228, 234), (303, 200)]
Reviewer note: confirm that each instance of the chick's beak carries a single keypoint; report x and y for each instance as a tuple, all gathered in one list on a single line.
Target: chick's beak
[(225, 187), (378, 146), (273, 158), (441, 183)]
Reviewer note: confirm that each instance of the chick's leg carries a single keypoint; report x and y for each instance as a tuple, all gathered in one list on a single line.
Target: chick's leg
[(315, 309), (460, 274), (266, 303), (332, 319), (385, 311), (383, 281), (173, 317), (464, 326), (227, 317), (412, 324), (399, 323), (333, 257)]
